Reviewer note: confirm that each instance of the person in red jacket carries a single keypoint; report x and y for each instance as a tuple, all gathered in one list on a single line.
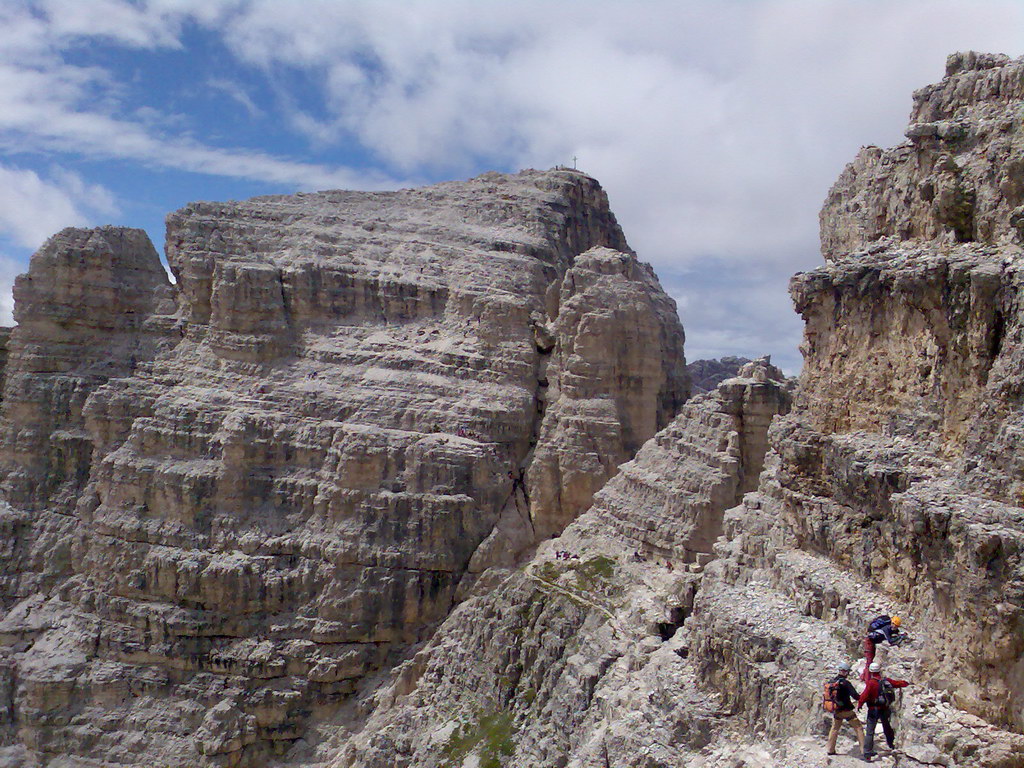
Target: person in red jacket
[(878, 694), (881, 629)]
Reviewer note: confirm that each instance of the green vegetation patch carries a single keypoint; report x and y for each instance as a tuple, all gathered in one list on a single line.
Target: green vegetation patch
[(549, 571), (594, 575), (590, 578), (490, 736), (599, 567)]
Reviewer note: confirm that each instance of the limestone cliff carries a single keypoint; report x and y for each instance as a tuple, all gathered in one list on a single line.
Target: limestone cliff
[(705, 375), (295, 528), (575, 660), (232, 498), (894, 484), (910, 402), (681, 622)]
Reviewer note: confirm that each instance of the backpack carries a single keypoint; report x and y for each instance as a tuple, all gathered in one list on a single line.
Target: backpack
[(830, 698), (886, 693), (878, 623)]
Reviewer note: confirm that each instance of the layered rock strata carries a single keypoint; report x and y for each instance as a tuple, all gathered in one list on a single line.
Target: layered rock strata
[(705, 375), (892, 486), (914, 353), (576, 659), (233, 498), (236, 569), (957, 179)]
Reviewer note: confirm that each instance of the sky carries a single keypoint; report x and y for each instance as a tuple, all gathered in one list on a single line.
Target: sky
[(715, 126)]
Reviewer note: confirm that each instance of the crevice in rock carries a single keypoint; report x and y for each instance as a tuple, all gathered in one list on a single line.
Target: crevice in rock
[(677, 617), (998, 333)]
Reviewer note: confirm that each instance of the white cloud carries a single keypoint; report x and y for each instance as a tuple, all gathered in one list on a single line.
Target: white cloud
[(42, 113), (52, 106), (32, 208), (716, 127), (728, 310), (10, 268), (236, 92), (126, 23)]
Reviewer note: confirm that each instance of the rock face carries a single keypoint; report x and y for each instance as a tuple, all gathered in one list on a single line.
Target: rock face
[(958, 179), (913, 393), (681, 622), (295, 528), (572, 661), (705, 375), (231, 499), (85, 315), (612, 334)]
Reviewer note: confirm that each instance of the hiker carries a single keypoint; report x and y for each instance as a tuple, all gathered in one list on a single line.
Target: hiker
[(879, 694), (839, 696), (881, 628)]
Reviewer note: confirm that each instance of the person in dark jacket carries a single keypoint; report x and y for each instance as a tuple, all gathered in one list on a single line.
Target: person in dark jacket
[(887, 631), (879, 707), (844, 713)]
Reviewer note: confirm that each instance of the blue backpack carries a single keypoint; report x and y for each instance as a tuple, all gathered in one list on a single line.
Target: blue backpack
[(877, 624)]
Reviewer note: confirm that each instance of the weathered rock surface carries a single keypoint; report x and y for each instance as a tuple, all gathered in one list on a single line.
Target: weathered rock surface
[(612, 335), (85, 315), (232, 499), (291, 535), (705, 375), (892, 486), (573, 660), (958, 179), (909, 410)]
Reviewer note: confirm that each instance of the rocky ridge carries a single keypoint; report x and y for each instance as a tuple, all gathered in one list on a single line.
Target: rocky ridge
[(576, 655), (687, 618), (231, 499), (705, 375), (923, 325), (891, 486)]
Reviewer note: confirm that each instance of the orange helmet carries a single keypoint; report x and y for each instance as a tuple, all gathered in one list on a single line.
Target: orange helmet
[(896, 621)]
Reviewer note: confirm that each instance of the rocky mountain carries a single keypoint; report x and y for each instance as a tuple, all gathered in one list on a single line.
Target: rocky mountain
[(692, 615), (230, 499), (705, 375), (410, 480)]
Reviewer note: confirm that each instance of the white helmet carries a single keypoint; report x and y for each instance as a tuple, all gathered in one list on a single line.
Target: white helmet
[(875, 667)]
